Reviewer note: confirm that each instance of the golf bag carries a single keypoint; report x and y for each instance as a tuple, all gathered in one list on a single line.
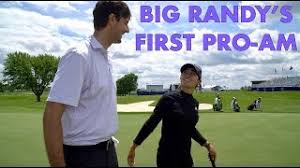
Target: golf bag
[(251, 106), (237, 108), (217, 106)]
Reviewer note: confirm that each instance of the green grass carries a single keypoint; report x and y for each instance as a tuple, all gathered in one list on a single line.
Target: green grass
[(240, 139), (21, 140), (267, 138), (21, 103)]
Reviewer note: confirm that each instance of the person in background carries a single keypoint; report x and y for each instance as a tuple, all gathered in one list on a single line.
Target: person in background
[(234, 105), (258, 103), (255, 105), (217, 106)]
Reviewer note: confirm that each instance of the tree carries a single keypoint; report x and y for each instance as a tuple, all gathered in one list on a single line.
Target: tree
[(126, 84), (4, 87), (1, 86), (23, 71), (246, 88)]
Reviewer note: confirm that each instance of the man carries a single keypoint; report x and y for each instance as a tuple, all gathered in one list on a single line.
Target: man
[(80, 116), (257, 103)]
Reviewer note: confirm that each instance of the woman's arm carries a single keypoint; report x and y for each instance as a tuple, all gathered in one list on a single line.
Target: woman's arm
[(196, 135), (131, 155), (149, 126)]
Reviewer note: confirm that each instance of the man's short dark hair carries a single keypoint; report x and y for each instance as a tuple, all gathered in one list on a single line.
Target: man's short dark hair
[(104, 8)]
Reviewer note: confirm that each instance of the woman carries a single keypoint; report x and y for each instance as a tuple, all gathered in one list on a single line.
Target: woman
[(179, 114)]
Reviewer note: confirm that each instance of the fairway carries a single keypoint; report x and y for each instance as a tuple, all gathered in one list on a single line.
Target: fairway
[(262, 138)]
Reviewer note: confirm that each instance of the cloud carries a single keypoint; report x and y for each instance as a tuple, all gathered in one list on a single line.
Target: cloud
[(270, 18), (257, 22), (35, 33), (2, 57), (58, 5), (237, 75), (231, 68), (89, 12), (68, 32), (38, 32), (8, 4)]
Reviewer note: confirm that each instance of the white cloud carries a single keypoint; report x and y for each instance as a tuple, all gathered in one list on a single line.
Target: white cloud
[(135, 26), (270, 18), (232, 68), (89, 12), (79, 2), (35, 33), (235, 76), (58, 5), (256, 23)]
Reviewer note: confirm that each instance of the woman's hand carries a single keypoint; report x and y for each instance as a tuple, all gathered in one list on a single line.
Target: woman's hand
[(212, 151), (131, 155)]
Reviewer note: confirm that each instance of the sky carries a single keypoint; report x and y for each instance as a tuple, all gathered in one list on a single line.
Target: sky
[(53, 27)]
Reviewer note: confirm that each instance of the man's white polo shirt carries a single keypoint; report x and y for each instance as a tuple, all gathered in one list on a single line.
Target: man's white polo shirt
[(84, 83)]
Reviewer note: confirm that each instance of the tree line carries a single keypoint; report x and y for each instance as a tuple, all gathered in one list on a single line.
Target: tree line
[(26, 72)]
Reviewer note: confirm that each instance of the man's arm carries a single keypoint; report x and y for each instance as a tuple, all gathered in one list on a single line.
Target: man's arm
[(53, 135)]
